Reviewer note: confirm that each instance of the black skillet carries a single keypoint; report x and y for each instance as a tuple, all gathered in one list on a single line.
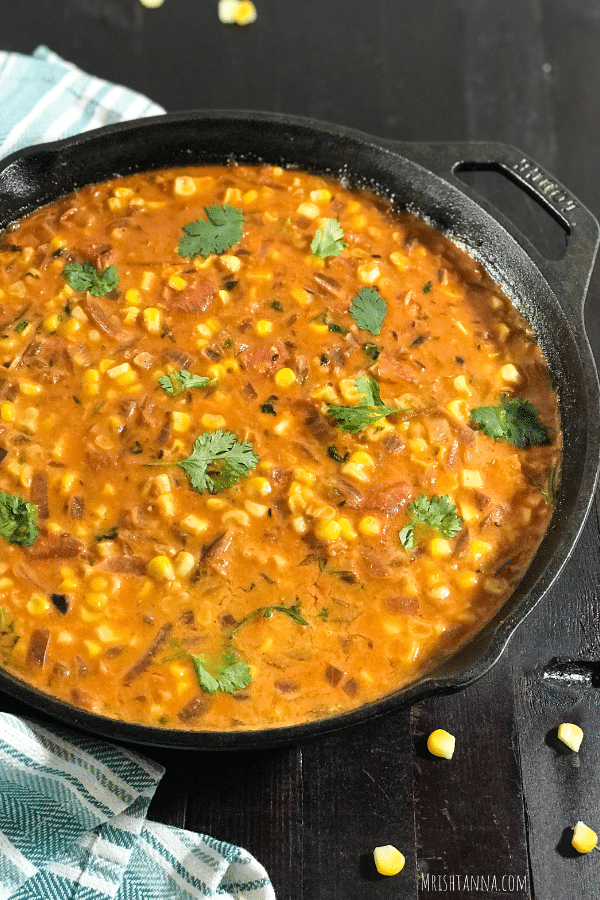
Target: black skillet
[(422, 178)]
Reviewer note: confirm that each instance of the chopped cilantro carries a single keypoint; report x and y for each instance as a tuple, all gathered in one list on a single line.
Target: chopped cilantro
[(268, 409), (369, 410), (324, 614), (228, 674), (514, 420), (277, 305), (176, 382), (337, 329), (550, 490), (21, 326), (334, 453), (369, 309), (223, 229), (427, 287), (328, 240), (218, 461), (18, 523), (294, 612), (85, 277), (436, 512), (108, 535), (372, 350)]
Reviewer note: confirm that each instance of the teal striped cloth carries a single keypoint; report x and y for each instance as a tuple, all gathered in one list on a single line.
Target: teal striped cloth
[(73, 827), (73, 809), (44, 98)]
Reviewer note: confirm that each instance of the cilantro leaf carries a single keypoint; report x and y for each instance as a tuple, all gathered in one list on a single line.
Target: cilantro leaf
[(328, 240), (514, 420), (86, 277), (369, 309), (18, 523), (223, 229), (176, 382), (228, 675), (436, 512), (370, 409), (427, 287), (218, 461), (294, 611)]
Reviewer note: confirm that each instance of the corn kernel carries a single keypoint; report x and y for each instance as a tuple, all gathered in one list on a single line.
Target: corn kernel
[(461, 385), (37, 605), (471, 478), (212, 421), (29, 420), (152, 320), (282, 426), (184, 563), (56, 243), (258, 510), (232, 263), (147, 281), (184, 186), (369, 272), (478, 549), (263, 327), (160, 568), (584, 838), (510, 374), (362, 458), (177, 282), (71, 328), (441, 743), (399, 260), (347, 530), (502, 332), (571, 735), (250, 196), (216, 503), (308, 210), (259, 486), (132, 297), (299, 524), (194, 524), (7, 412), (328, 530), (369, 526), (30, 389), (459, 410), (440, 548), (388, 860), (304, 475), (166, 505), (468, 513), (285, 377), (301, 296), (319, 327), (181, 422), (96, 600), (321, 195), (466, 579), (355, 471), (51, 323)]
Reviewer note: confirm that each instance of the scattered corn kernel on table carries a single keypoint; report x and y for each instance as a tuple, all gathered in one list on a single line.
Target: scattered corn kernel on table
[(497, 817)]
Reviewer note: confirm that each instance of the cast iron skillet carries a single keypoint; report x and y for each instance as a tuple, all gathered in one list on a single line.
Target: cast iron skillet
[(421, 177)]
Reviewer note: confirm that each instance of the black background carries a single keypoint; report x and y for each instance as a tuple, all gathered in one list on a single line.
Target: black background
[(526, 72)]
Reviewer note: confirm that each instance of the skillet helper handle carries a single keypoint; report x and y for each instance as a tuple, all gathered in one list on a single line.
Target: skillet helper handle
[(569, 276)]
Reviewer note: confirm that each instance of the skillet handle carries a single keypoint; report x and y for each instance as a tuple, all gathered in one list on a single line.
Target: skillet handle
[(569, 276)]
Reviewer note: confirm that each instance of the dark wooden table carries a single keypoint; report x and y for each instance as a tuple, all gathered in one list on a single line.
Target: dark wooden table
[(526, 72)]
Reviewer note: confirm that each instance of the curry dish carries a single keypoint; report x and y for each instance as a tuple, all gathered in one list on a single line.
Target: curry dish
[(269, 449)]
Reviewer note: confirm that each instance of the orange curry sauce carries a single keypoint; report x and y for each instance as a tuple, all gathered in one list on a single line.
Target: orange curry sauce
[(296, 576)]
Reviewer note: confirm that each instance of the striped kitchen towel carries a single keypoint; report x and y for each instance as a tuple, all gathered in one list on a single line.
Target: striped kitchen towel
[(73, 827), (72, 808), (44, 98)]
